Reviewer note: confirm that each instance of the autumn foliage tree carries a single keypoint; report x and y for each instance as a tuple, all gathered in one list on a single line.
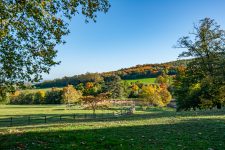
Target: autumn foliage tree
[(70, 95), (94, 102), (155, 95)]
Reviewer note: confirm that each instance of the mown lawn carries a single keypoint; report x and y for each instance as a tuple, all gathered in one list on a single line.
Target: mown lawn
[(155, 128)]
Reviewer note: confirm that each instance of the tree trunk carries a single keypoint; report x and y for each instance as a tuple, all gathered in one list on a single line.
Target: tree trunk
[(219, 106)]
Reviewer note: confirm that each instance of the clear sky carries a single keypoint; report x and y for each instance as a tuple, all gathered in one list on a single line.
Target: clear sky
[(132, 32)]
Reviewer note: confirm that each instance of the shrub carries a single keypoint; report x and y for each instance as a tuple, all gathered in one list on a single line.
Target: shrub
[(39, 97), (54, 96)]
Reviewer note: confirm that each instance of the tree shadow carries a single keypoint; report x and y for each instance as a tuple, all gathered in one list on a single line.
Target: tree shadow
[(187, 134), (52, 119)]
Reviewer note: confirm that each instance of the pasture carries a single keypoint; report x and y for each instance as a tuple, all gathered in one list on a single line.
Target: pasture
[(144, 80), (155, 128)]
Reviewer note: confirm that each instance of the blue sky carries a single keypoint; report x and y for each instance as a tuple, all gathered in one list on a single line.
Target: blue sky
[(132, 32)]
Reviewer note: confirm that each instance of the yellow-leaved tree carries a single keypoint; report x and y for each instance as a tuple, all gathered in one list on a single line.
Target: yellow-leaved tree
[(155, 95), (70, 95)]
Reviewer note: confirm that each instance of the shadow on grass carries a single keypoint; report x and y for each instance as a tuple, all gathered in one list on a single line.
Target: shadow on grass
[(37, 119), (30, 106), (188, 134)]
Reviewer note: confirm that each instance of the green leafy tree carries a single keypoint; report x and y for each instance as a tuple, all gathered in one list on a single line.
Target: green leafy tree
[(92, 89), (113, 85), (29, 32), (204, 78), (54, 96), (39, 97)]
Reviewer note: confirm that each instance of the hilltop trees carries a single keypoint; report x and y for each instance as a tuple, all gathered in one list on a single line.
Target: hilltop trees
[(137, 72), (29, 32), (202, 83)]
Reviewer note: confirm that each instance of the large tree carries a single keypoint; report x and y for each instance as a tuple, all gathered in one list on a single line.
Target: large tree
[(29, 32), (113, 85), (202, 84)]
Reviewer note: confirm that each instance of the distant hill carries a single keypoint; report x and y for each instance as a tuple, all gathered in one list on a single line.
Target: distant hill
[(131, 73)]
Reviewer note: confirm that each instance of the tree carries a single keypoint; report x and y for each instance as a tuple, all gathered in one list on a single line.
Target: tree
[(94, 102), (204, 78), (151, 95), (54, 96), (134, 91), (113, 85), (163, 79), (39, 97), (70, 95), (92, 89), (155, 95), (165, 95), (29, 32)]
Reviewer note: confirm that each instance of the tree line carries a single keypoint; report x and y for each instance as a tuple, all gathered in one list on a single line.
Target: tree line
[(93, 93), (137, 72)]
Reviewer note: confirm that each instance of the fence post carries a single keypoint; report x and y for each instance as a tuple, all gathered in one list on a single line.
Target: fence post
[(121, 112), (60, 117), (45, 119), (11, 121), (85, 116), (74, 116)]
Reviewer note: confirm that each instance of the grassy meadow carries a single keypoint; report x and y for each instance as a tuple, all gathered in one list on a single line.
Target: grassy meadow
[(144, 80), (155, 128), (36, 90)]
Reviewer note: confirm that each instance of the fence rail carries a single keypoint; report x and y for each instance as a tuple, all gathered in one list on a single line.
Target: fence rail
[(31, 119)]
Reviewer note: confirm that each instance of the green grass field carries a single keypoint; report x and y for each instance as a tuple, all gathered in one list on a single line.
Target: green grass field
[(36, 90), (145, 80), (155, 128)]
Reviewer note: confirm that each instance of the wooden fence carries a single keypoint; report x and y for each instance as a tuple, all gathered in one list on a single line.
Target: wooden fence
[(31, 119)]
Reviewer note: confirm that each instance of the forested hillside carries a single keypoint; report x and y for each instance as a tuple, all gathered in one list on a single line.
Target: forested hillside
[(136, 72)]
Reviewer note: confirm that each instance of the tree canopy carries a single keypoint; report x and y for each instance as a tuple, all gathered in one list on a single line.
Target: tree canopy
[(29, 32), (202, 83)]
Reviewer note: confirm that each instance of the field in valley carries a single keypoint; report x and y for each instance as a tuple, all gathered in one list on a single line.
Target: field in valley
[(144, 80), (155, 128)]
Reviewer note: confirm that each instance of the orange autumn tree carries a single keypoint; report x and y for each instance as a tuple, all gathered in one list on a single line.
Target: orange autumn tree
[(95, 102)]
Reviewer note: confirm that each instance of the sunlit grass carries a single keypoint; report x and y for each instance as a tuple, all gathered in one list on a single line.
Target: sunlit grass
[(144, 80), (155, 128)]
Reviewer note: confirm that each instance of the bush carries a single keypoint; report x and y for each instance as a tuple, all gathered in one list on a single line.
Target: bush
[(53, 97), (22, 98), (39, 97)]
